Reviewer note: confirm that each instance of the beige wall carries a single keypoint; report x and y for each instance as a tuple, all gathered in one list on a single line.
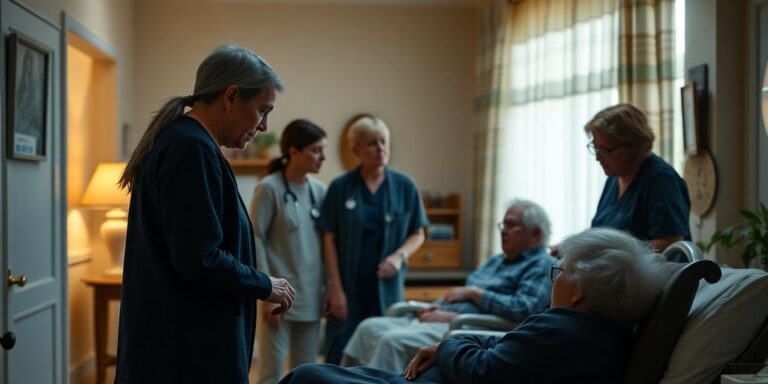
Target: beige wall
[(411, 65), (716, 35), (110, 20)]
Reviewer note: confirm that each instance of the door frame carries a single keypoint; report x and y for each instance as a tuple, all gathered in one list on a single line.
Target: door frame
[(97, 48)]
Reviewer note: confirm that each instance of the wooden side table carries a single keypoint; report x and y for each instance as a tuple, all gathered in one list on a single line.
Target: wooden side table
[(105, 288)]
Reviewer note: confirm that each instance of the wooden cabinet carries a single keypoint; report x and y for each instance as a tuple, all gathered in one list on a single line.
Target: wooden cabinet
[(444, 243), (438, 265), (437, 255)]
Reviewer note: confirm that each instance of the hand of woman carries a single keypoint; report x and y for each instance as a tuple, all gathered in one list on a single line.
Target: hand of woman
[(424, 359), (389, 266), (282, 294), (336, 304)]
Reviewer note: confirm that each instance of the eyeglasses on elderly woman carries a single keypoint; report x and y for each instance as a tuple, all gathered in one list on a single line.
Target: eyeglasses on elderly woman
[(595, 150)]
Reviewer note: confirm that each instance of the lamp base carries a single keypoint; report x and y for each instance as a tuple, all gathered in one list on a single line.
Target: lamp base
[(113, 233)]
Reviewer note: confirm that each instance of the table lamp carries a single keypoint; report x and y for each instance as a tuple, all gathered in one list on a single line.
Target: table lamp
[(103, 192)]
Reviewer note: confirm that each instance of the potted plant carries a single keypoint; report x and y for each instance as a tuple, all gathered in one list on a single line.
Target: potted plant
[(263, 145), (754, 234)]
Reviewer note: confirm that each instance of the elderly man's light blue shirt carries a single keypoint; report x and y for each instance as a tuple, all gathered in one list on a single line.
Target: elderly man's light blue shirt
[(513, 289)]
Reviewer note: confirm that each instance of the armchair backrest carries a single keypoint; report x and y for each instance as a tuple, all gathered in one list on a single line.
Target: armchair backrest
[(726, 326), (656, 336)]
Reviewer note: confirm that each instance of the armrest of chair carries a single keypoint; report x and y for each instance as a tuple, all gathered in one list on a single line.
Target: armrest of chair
[(472, 332), (403, 308), (682, 251), (480, 321)]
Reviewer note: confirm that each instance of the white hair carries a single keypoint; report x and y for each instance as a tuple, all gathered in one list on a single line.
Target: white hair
[(534, 217), (618, 274), (364, 127)]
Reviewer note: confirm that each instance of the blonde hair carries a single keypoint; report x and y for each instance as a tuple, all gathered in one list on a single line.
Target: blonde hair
[(623, 124), (364, 127)]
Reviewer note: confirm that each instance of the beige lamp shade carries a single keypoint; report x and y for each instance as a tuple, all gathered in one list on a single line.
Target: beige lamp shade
[(103, 190)]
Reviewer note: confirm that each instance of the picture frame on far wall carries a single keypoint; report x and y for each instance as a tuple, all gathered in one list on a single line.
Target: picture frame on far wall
[(691, 121), (27, 98)]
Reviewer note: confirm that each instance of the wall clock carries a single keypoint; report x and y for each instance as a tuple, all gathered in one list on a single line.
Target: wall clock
[(701, 176)]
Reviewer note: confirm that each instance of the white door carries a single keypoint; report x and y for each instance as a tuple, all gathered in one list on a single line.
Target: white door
[(32, 227)]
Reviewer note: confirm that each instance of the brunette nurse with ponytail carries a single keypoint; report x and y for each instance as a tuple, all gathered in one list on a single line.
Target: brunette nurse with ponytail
[(284, 209)]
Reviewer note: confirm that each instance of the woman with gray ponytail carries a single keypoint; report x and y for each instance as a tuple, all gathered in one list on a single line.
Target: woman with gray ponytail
[(190, 283), (284, 209)]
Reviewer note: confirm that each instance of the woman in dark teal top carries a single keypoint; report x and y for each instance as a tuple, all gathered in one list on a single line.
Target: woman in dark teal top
[(643, 194), (190, 282), (372, 219)]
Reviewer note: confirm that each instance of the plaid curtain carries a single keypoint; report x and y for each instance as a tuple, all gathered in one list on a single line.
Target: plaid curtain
[(647, 66), (492, 68)]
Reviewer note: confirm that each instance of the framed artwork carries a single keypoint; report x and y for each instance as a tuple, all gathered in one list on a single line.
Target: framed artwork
[(27, 98), (691, 121)]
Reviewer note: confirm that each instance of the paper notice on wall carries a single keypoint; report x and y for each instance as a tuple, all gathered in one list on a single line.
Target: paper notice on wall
[(24, 144)]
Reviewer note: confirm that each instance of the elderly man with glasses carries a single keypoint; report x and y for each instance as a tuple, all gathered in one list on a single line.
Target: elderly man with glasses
[(512, 285)]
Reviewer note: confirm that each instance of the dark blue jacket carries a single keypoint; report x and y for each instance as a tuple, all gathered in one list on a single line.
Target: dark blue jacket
[(190, 282), (558, 345)]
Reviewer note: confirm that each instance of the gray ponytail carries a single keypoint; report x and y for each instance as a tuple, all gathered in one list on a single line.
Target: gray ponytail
[(226, 65)]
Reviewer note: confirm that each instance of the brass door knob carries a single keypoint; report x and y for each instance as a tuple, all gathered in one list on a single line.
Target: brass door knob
[(19, 281)]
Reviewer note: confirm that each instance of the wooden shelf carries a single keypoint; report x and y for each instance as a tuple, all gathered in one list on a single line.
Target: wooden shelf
[(436, 255), (256, 167), (442, 211)]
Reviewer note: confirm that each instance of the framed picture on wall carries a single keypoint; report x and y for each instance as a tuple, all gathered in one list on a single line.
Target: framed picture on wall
[(27, 98), (691, 123)]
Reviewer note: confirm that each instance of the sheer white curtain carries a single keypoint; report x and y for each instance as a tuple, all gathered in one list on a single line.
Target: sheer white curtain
[(563, 70)]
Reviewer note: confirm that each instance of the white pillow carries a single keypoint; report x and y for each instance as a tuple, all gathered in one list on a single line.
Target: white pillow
[(725, 317)]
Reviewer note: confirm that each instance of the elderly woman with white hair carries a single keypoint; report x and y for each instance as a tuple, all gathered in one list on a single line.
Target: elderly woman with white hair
[(372, 219), (606, 283)]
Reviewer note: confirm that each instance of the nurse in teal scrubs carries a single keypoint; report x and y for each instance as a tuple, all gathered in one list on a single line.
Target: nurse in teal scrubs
[(372, 219), (643, 195)]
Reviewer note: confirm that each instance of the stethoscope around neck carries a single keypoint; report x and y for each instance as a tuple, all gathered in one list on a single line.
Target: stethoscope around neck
[(314, 212)]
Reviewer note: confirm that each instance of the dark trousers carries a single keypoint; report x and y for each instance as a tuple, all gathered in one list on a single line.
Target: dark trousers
[(361, 306)]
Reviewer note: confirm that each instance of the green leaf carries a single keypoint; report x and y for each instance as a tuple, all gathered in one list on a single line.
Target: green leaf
[(751, 217), (748, 255), (746, 232)]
